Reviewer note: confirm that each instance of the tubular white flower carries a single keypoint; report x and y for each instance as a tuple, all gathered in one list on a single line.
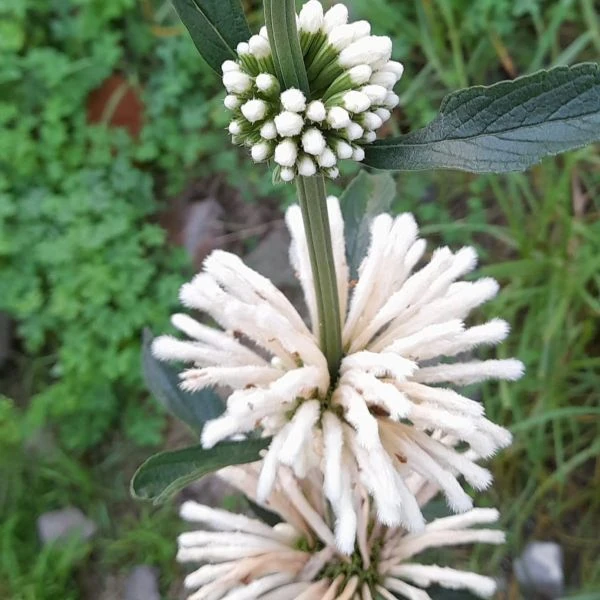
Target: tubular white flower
[(356, 102), (243, 48), (308, 554), (366, 50), (360, 74), (354, 131), (287, 174), (229, 65), (398, 418), (343, 149), (234, 128), (327, 158), (254, 110), (288, 124), (386, 79)]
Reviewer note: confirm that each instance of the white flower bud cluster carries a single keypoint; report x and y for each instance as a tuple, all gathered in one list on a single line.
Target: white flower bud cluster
[(351, 80)]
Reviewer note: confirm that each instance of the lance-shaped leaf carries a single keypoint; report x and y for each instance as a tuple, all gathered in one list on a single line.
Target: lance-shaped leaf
[(216, 27), (194, 409), (508, 126), (366, 197), (166, 473)]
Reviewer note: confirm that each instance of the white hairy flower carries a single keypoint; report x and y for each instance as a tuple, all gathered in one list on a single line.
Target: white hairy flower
[(394, 411), (307, 557), (286, 153), (349, 72)]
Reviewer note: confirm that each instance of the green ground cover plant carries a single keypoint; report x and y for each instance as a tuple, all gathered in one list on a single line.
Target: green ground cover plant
[(84, 265)]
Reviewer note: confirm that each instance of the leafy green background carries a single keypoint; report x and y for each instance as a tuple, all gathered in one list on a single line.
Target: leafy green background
[(84, 268)]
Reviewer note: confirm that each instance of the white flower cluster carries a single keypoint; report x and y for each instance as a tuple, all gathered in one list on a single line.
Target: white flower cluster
[(351, 78), (297, 559), (394, 411)]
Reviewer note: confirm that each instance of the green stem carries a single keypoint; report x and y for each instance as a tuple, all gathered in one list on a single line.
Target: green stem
[(280, 18), (313, 204)]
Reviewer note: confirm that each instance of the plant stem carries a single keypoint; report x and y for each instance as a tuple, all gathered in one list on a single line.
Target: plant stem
[(313, 204), (280, 18)]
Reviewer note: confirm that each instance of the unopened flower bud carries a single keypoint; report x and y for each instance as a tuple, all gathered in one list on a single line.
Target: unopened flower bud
[(341, 37), (375, 93), (371, 121), (287, 174), (266, 82), (293, 100), (391, 101), (243, 48), (268, 131), (361, 29), (366, 50), (235, 128), (358, 154), (332, 173), (315, 111), (343, 149), (232, 101), (383, 113), (387, 79), (286, 153), (260, 151), (310, 18), (369, 136), (254, 110), (259, 47), (229, 65), (337, 15), (354, 131), (338, 117), (360, 74), (306, 166), (313, 141), (395, 67), (356, 102), (327, 158), (263, 32), (288, 123), (236, 82)]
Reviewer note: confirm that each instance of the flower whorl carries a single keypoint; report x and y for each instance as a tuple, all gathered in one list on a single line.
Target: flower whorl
[(350, 76)]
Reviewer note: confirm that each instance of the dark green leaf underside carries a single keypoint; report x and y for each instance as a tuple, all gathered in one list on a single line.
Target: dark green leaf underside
[(366, 197), (508, 126), (194, 409), (216, 27), (164, 474)]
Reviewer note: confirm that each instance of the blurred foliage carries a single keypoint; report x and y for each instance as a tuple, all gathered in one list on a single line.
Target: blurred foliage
[(84, 265)]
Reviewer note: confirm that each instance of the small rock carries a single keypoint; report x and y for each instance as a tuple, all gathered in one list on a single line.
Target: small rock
[(142, 584), (203, 225), (539, 569), (60, 524)]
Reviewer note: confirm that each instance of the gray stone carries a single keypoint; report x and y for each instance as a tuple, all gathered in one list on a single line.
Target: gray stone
[(142, 584), (60, 524), (203, 225), (539, 569)]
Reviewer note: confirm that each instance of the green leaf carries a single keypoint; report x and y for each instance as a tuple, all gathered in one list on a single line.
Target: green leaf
[(280, 18), (366, 197), (166, 473), (194, 409), (505, 127), (216, 27)]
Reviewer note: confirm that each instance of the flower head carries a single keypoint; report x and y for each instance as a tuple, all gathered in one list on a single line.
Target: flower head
[(394, 410), (298, 559), (351, 78)]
